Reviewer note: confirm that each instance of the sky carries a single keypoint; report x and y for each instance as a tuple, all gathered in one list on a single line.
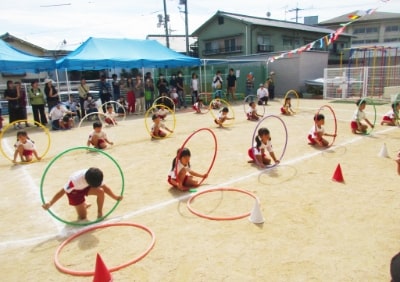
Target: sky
[(65, 24)]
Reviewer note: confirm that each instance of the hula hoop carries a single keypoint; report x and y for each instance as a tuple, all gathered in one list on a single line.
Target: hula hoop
[(92, 114), (164, 97), (223, 104), (146, 116), (366, 99), (187, 140), (116, 103), (46, 130), (219, 217), (112, 269), (335, 122), (255, 134), (246, 104), (75, 149), (297, 98)]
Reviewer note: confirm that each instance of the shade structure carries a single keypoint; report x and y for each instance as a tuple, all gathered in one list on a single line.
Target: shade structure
[(15, 61), (104, 53)]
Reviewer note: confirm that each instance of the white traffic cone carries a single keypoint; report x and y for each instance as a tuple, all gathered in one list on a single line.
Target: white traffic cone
[(256, 215), (383, 153)]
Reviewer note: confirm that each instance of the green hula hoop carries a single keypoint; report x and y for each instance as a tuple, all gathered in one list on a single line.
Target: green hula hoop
[(60, 155)]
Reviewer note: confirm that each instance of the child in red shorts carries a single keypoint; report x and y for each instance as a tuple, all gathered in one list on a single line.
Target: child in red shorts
[(25, 148), (81, 184), (98, 138), (180, 175)]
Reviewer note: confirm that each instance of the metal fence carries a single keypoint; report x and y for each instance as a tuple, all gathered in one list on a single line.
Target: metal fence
[(358, 82)]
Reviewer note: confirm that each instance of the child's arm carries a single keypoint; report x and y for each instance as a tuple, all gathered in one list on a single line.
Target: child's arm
[(109, 142), (110, 193), (370, 124), (198, 174), (272, 154), (36, 155), (16, 153), (55, 198)]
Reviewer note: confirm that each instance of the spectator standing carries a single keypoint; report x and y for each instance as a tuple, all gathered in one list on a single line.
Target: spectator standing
[(139, 95), (249, 84), (130, 96), (12, 96), (172, 81), (270, 84), (22, 103), (104, 91), (116, 86), (180, 90), (148, 90), (52, 96), (217, 84), (37, 100), (231, 84), (83, 90), (194, 86), (162, 85)]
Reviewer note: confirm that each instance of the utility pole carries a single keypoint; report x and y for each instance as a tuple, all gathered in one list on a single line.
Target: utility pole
[(184, 2), (166, 19), (297, 9)]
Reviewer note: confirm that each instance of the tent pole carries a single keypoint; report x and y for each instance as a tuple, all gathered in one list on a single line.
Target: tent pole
[(67, 81), (58, 81)]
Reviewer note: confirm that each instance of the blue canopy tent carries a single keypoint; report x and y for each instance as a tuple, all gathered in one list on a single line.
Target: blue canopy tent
[(105, 53), (15, 61)]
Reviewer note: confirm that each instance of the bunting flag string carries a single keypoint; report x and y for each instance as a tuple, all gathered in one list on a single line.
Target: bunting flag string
[(327, 39)]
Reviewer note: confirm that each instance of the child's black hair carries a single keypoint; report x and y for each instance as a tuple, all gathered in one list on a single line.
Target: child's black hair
[(360, 102), (251, 103), (22, 133), (225, 110), (97, 124), (109, 107), (185, 152), (262, 131), (94, 177), (154, 117), (319, 117)]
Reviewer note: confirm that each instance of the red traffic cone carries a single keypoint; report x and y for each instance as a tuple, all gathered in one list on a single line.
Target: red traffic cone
[(338, 176), (101, 274)]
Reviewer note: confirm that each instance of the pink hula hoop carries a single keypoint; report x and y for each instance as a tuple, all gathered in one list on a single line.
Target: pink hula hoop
[(187, 140), (334, 119), (112, 269)]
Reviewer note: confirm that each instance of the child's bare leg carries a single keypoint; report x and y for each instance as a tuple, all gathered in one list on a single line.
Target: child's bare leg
[(99, 193), (191, 182), (81, 210), (20, 150)]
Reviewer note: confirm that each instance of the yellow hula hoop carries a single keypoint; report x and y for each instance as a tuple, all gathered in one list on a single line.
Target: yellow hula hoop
[(296, 109), (45, 129), (146, 117), (223, 104), (113, 102), (164, 97)]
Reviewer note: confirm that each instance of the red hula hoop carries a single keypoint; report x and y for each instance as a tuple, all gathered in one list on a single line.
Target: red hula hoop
[(219, 217), (187, 140), (334, 118), (255, 134), (112, 269)]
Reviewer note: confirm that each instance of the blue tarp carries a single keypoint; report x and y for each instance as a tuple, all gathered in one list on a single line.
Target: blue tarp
[(15, 61), (105, 53)]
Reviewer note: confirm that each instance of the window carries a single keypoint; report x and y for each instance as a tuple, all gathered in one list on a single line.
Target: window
[(289, 43), (359, 30), (230, 45), (371, 41), (357, 42), (264, 40), (392, 28), (371, 30), (392, 40)]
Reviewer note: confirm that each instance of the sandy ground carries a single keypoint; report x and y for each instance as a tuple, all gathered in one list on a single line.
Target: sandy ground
[(315, 229)]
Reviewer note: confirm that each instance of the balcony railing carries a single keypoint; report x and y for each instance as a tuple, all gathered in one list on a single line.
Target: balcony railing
[(229, 50)]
